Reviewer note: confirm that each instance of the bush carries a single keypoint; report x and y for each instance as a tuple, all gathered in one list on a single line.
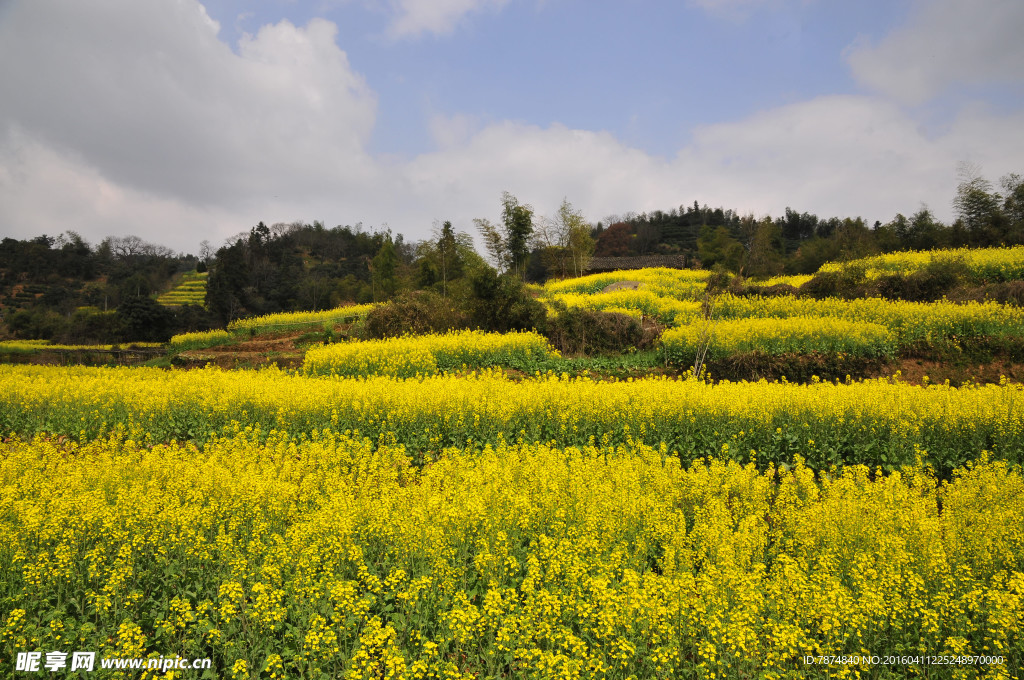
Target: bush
[(502, 304), (775, 290), (490, 302), (416, 313), (1007, 293), (577, 330), (720, 280), (850, 282), (38, 322), (930, 283), (89, 325)]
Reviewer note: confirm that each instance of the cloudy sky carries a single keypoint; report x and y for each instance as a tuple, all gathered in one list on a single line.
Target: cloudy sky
[(179, 120)]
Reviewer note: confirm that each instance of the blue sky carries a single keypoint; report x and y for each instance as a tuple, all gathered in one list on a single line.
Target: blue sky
[(183, 121), (647, 72)]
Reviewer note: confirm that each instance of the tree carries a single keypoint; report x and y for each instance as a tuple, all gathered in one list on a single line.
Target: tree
[(649, 232), (900, 227), (977, 207), (854, 239), (563, 240), (797, 227), (442, 259), (888, 236), (226, 284), (449, 255), (717, 246), (135, 285), (144, 319), (576, 237), (1013, 207), (571, 237), (127, 246), (549, 248), (509, 247), (811, 254), (206, 252), (314, 292), (426, 275), (502, 304), (384, 270), (923, 231), (518, 222), (132, 247), (614, 241), (748, 226), (765, 256)]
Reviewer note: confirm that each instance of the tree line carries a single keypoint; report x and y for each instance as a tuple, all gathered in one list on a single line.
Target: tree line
[(64, 289), (800, 242)]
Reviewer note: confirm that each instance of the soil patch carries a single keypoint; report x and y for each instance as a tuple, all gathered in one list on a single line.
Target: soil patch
[(914, 371), (263, 350)]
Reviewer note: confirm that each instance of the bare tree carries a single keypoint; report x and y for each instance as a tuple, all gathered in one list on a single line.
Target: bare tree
[(127, 246), (206, 252), (574, 231), (705, 333)]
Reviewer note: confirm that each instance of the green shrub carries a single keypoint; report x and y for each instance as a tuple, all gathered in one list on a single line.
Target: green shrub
[(776, 290), (1005, 292), (928, 284), (415, 313), (575, 330), (502, 303), (720, 280), (849, 282)]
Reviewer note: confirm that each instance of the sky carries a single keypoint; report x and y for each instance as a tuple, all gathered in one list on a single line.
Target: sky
[(182, 121)]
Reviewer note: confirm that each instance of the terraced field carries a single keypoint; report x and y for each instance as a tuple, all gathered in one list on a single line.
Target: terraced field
[(191, 291)]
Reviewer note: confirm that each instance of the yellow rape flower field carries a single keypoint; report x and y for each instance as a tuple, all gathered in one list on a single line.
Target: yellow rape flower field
[(477, 525), (290, 320), (801, 334), (426, 354), (983, 264), (434, 507)]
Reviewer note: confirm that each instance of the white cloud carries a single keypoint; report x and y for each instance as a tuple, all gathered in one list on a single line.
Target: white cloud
[(945, 42), (838, 155), (44, 191), (145, 96), (434, 16), (539, 166), (149, 95)]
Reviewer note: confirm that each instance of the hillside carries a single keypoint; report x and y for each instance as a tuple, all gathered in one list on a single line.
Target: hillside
[(772, 329)]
